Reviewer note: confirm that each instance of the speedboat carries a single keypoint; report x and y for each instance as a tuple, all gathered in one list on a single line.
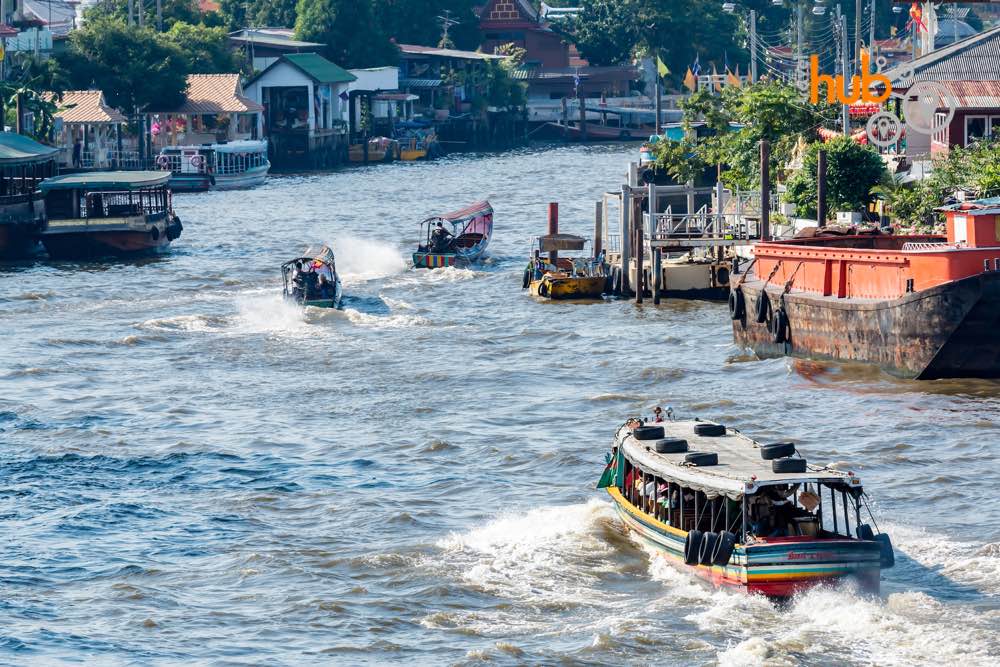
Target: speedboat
[(469, 232), (312, 280)]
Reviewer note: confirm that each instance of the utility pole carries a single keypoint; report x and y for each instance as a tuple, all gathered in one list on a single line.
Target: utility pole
[(846, 120), (141, 7), (753, 46), (857, 37), (159, 15), (798, 41), (871, 34), (131, 13)]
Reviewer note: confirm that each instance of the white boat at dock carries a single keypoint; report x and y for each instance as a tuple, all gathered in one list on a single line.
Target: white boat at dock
[(229, 165)]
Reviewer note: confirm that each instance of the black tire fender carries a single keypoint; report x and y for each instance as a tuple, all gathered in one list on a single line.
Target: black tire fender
[(865, 532), (701, 459), (648, 433), (709, 430), (724, 548), (763, 308), (777, 450), (737, 304), (671, 446), (887, 555), (779, 326), (707, 548), (154, 233), (527, 279), (788, 465), (692, 545)]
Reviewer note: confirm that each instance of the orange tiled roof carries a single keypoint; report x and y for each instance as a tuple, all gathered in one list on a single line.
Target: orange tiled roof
[(215, 93), (86, 106)]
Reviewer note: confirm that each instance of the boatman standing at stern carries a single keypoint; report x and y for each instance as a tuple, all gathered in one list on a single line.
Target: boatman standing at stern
[(440, 238)]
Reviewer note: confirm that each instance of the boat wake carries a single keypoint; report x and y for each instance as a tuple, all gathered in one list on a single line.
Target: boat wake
[(361, 260)]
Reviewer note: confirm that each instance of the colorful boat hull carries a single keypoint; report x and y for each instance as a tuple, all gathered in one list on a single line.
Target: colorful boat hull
[(429, 260), (568, 288), (776, 567)]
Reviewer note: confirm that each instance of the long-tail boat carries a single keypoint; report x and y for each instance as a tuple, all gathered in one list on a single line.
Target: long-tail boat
[(24, 163), (742, 514), (469, 231), (920, 307), (108, 214), (312, 279)]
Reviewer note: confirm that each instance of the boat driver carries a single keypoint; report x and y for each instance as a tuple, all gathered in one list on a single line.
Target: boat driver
[(441, 238)]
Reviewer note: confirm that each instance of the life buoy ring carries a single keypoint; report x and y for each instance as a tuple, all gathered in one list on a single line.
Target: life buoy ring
[(197, 161), (163, 161), (737, 304)]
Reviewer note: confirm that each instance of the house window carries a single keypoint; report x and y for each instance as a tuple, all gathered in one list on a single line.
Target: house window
[(975, 129)]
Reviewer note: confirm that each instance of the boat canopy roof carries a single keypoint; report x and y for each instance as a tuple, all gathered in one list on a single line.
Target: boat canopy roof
[(469, 212), (107, 180), (18, 149), (740, 470), (554, 242), (322, 254)]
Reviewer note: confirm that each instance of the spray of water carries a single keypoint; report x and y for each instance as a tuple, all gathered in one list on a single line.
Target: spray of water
[(359, 259)]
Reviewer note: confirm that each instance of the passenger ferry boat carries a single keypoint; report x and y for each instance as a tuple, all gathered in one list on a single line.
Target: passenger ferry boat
[(108, 214), (471, 230), (312, 279), (24, 163), (224, 166), (739, 513), (558, 277), (921, 307)]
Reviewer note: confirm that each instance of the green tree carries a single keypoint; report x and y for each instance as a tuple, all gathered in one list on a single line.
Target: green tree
[(853, 171), (238, 14), (173, 11), (352, 36), (606, 31), (135, 67), (205, 49)]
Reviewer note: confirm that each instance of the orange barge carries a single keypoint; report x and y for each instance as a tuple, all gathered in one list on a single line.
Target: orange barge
[(920, 307)]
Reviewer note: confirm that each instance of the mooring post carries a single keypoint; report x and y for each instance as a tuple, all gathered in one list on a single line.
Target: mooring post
[(656, 262), (765, 190), (553, 229), (640, 285), (598, 243), (626, 239), (821, 189), (583, 117)]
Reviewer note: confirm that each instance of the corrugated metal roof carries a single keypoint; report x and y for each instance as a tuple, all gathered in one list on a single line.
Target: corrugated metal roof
[(974, 94), (213, 93), (420, 83), (18, 149), (319, 68), (86, 106), (976, 58), (417, 50), (106, 180), (274, 37)]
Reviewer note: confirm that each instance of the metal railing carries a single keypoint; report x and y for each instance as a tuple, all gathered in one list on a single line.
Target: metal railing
[(917, 246)]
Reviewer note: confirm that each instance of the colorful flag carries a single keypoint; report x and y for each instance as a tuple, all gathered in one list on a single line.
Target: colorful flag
[(661, 68), (716, 83), (734, 79), (690, 80), (344, 96), (696, 67)]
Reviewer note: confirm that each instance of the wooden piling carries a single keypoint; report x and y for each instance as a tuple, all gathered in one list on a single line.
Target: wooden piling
[(598, 243), (626, 237), (657, 273), (639, 284), (583, 117), (553, 229)]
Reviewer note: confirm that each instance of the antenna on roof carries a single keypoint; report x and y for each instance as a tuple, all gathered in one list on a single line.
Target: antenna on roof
[(446, 23)]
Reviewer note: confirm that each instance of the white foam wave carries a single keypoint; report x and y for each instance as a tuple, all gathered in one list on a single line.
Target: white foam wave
[(359, 259), (393, 321), (264, 314), (967, 563), (193, 323)]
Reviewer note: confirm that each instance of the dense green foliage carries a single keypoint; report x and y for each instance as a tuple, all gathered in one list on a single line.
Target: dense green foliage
[(606, 31), (135, 67), (239, 14), (739, 119), (348, 28), (852, 172), (205, 49), (174, 11)]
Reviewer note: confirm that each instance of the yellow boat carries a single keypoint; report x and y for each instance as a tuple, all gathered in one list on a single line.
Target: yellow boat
[(556, 278)]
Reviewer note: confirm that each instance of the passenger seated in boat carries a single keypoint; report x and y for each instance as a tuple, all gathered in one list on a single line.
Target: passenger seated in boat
[(441, 239)]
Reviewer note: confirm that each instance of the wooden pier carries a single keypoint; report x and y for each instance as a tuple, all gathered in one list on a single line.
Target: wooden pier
[(686, 239)]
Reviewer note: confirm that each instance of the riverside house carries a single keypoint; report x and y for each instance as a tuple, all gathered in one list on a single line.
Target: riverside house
[(304, 97), (84, 118)]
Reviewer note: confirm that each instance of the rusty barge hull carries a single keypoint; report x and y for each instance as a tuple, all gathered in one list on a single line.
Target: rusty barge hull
[(948, 331)]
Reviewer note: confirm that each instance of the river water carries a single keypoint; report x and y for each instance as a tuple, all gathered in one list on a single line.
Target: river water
[(192, 471)]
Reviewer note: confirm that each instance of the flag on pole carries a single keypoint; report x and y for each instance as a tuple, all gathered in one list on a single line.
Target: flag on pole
[(734, 79), (716, 83), (696, 67), (661, 68), (690, 81)]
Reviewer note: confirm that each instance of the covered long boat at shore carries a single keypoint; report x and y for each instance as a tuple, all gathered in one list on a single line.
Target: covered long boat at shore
[(919, 307), (24, 163), (739, 513), (109, 214)]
